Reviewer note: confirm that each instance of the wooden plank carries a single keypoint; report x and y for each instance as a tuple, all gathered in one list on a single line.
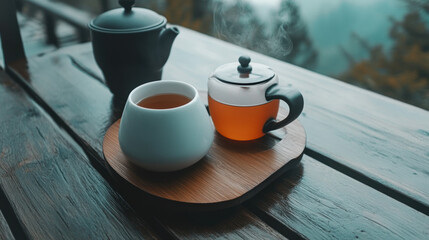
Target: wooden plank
[(319, 202), (87, 109), (49, 182), (377, 140), (381, 138), (5, 232), (241, 224), (85, 105)]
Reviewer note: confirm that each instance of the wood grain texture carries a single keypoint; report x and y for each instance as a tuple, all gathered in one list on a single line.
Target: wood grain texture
[(49, 182), (87, 109), (242, 225), (84, 103), (229, 174), (378, 140), (5, 232), (383, 141), (319, 202)]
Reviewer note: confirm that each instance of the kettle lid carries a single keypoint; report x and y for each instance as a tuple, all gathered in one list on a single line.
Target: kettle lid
[(127, 19), (244, 73)]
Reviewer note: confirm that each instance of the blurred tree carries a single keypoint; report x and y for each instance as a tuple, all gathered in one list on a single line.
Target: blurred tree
[(282, 35), (403, 73), (193, 14), (290, 22), (237, 23), (190, 14)]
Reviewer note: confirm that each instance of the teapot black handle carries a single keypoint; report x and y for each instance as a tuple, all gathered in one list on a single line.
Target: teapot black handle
[(294, 100)]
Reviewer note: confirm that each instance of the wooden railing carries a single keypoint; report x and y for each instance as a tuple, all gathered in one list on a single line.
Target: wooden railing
[(54, 11)]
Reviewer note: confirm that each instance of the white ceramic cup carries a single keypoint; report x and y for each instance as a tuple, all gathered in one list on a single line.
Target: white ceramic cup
[(164, 140)]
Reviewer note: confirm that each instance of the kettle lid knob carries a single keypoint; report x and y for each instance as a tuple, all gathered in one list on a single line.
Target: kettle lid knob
[(244, 66), (127, 4)]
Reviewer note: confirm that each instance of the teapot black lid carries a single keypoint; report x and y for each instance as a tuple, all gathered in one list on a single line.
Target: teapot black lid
[(244, 73), (127, 19)]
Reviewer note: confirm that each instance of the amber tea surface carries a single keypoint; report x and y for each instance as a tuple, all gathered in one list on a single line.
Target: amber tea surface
[(164, 101)]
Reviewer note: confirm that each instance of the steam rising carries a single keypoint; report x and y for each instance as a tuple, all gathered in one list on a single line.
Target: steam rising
[(239, 22)]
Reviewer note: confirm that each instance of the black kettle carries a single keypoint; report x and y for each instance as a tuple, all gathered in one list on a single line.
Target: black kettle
[(131, 46)]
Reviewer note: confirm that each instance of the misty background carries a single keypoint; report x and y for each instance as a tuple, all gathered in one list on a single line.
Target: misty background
[(380, 45)]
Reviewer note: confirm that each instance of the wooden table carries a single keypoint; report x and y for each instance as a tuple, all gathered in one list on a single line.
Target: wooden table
[(364, 174)]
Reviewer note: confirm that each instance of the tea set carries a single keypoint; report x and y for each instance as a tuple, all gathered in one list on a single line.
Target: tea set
[(131, 46)]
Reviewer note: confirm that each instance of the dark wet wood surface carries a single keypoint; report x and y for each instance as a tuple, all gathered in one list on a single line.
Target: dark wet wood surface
[(5, 232), (49, 182), (364, 175), (377, 140)]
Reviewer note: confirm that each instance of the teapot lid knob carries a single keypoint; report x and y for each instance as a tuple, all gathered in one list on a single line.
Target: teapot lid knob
[(127, 4), (244, 66)]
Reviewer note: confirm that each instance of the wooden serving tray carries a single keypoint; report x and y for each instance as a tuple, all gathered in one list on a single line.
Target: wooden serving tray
[(229, 174)]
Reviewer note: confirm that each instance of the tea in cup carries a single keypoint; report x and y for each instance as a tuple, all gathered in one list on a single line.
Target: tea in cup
[(244, 100), (165, 126)]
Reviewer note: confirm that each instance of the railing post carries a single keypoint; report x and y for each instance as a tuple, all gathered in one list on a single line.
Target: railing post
[(104, 5), (50, 29), (11, 40), (83, 35)]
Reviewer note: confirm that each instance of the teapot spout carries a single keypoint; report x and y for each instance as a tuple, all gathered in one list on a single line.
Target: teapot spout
[(166, 39)]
